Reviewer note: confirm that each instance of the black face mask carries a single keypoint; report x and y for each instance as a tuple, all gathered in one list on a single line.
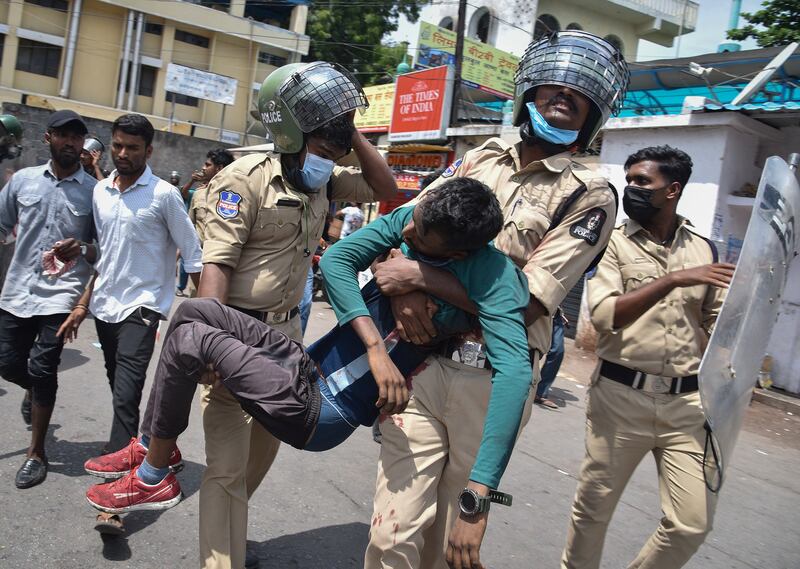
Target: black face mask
[(637, 203)]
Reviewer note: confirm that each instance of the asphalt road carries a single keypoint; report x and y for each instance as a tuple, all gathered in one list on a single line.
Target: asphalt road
[(313, 510)]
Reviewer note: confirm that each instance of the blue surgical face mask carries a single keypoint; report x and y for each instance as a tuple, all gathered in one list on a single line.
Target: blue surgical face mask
[(546, 131), (316, 171)]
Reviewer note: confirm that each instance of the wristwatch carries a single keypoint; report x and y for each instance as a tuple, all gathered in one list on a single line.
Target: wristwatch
[(472, 503), (84, 249)]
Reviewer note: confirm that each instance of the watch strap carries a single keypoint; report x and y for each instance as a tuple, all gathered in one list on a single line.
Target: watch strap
[(500, 498)]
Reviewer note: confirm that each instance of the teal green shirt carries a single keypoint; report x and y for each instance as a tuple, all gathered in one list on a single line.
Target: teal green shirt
[(500, 292)]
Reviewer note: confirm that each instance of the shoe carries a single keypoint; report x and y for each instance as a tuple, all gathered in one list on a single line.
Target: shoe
[(251, 560), (32, 472), (130, 493), (109, 524), (25, 407), (179, 292), (118, 464), (546, 403)]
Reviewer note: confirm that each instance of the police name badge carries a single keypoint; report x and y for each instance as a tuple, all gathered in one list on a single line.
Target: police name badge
[(590, 226), (228, 205)]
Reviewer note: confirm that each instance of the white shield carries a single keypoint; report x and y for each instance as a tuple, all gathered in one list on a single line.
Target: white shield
[(737, 346)]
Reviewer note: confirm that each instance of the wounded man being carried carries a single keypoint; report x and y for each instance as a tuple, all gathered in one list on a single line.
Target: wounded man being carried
[(315, 398)]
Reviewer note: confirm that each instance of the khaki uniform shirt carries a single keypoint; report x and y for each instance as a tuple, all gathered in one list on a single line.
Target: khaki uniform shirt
[(554, 260), (198, 209), (256, 223), (668, 339)]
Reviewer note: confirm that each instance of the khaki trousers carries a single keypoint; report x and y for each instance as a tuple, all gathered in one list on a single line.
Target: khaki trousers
[(426, 456), (239, 453), (622, 426)]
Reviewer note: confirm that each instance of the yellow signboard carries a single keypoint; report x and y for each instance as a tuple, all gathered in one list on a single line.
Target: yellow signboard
[(483, 67), (379, 114)]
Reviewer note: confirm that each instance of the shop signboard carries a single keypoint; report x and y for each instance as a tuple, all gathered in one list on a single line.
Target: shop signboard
[(201, 84), (422, 101), (379, 114), (483, 67)]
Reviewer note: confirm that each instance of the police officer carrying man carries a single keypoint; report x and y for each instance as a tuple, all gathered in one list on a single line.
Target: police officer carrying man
[(557, 221), (265, 216), (654, 299)]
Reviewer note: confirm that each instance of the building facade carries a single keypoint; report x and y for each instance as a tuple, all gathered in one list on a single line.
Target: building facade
[(510, 24), (104, 57)]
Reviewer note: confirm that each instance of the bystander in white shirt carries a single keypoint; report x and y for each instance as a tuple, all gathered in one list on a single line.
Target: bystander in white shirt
[(138, 234)]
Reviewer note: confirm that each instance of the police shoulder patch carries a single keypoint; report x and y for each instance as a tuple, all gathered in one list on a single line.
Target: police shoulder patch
[(451, 169), (588, 228), (228, 204)]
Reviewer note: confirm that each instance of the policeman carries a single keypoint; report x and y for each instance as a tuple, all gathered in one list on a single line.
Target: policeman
[(654, 299), (10, 137), (265, 214), (557, 221)]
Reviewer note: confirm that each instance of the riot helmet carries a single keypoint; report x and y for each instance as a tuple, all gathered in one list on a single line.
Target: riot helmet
[(298, 98), (581, 61), (92, 144), (10, 137)]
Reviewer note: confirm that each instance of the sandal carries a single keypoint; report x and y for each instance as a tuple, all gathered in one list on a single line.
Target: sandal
[(109, 524)]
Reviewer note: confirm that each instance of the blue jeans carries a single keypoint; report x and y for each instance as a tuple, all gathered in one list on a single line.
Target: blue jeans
[(305, 302), (183, 277), (332, 428), (554, 358)]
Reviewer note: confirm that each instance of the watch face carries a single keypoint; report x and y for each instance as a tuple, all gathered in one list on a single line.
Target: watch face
[(468, 503)]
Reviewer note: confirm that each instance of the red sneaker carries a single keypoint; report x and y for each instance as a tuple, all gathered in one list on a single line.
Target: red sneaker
[(118, 464), (130, 493)]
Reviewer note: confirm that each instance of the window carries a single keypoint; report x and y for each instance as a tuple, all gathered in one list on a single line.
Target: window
[(2, 44), (271, 59), (574, 26), (37, 57), (190, 38), (447, 23), (182, 99), (62, 5), (480, 25), (147, 80), (545, 24), (155, 29), (616, 42)]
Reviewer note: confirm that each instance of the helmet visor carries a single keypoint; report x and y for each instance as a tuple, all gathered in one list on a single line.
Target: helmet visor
[(319, 93)]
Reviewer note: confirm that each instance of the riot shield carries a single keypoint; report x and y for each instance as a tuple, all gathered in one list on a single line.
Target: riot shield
[(737, 346)]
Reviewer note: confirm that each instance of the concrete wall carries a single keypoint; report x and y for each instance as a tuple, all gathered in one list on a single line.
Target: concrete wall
[(171, 151)]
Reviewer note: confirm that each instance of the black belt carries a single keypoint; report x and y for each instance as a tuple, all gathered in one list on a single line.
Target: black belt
[(637, 379), (268, 317)]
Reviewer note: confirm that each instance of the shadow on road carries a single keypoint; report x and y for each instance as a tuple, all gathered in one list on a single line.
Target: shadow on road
[(71, 358), (561, 396), (332, 547)]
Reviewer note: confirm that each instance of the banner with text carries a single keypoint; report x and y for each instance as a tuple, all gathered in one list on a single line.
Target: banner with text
[(422, 102), (379, 114), (484, 67), (201, 84)]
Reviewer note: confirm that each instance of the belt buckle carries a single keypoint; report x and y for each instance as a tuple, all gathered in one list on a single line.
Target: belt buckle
[(660, 384), (275, 317), (469, 353)]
